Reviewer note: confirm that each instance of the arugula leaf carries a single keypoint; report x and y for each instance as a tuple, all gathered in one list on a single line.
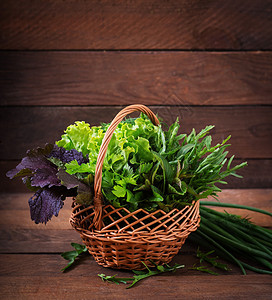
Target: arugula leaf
[(204, 269), (212, 260), (140, 275), (73, 255)]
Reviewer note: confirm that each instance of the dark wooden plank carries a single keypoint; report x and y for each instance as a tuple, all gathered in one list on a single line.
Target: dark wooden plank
[(121, 78), (18, 234), (28, 127), (21, 240), (31, 264), (14, 240), (67, 286), (256, 175), (142, 24)]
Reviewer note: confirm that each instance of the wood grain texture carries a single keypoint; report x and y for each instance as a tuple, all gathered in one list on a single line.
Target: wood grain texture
[(42, 92), (183, 24), (87, 266), (25, 128), (62, 286), (122, 78), (24, 236), (37, 240), (18, 234)]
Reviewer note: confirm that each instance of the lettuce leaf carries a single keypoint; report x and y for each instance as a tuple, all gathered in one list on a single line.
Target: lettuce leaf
[(76, 137)]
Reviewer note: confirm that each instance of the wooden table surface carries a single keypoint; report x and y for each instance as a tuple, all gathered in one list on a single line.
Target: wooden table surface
[(31, 262)]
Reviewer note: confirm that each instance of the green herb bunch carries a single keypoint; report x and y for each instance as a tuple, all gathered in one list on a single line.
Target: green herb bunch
[(148, 167)]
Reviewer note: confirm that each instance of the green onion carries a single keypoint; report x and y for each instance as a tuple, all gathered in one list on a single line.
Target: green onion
[(234, 238), (221, 204)]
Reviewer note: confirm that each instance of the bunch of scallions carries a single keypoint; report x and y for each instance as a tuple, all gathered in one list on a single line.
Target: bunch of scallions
[(234, 238)]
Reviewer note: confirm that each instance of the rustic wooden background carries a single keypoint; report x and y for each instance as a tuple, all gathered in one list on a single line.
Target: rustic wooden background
[(207, 62)]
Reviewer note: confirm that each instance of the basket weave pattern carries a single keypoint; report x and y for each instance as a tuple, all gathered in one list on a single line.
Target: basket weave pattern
[(130, 238), (122, 239)]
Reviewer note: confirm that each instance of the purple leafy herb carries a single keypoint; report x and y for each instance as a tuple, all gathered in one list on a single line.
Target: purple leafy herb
[(45, 203), (38, 170), (67, 156)]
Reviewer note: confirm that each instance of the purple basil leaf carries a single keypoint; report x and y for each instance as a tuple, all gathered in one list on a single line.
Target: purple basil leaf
[(38, 168), (67, 156), (68, 180), (19, 173), (41, 151), (45, 177), (84, 192), (45, 203), (34, 160), (71, 181)]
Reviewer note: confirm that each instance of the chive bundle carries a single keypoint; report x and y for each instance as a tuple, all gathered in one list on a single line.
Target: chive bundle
[(235, 239)]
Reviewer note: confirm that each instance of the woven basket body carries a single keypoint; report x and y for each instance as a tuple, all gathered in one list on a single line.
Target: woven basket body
[(121, 239), (128, 239)]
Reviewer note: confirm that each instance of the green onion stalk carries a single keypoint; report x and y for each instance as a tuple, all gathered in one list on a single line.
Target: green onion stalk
[(235, 239)]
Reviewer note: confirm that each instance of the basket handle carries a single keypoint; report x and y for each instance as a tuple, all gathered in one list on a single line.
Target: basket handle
[(97, 221)]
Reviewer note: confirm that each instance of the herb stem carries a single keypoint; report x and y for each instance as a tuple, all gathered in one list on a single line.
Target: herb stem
[(231, 205), (257, 270)]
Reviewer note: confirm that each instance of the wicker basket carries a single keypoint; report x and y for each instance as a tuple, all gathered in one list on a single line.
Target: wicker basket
[(121, 239)]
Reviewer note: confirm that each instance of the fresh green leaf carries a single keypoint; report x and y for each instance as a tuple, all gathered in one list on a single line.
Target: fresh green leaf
[(140, 275), (76, 137), (140, 155), (212, 260), (204, 269), (119, 191), (73, 255)]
